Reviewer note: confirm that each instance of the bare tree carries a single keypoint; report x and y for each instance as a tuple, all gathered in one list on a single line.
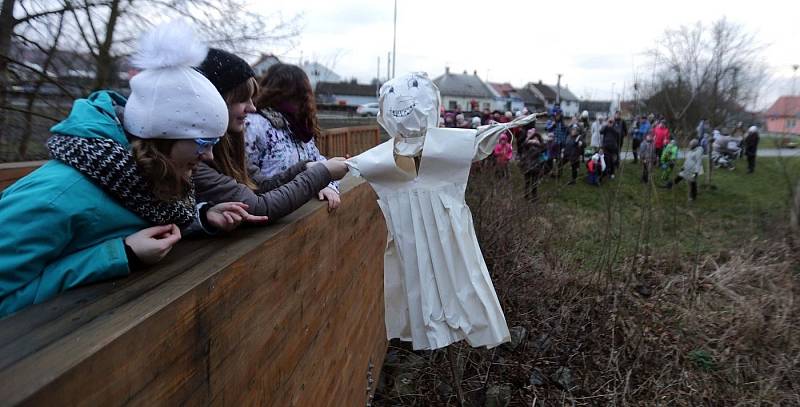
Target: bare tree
[(711, 72), (89, 48)]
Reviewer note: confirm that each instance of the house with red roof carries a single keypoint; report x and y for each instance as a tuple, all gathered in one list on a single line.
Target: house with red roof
[(784, 116)]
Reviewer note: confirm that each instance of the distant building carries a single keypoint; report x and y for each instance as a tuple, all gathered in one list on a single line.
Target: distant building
[(464, 91), (543, 92), (784, 115), (345, 93), (506, 98), (549, 94), (569, 102), (319, 73), (264, 62), (596, 108), (531, 100)]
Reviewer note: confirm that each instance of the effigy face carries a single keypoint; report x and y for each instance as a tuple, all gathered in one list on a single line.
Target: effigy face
[(407, 107)]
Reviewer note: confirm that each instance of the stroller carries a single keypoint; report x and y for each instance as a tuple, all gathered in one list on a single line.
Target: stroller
[(725, 151)]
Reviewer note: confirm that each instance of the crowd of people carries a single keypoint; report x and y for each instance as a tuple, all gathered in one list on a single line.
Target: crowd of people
[(597, 147), (200, 146)]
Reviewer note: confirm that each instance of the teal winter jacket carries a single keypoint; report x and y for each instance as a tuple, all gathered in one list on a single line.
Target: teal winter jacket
[(58, 229)]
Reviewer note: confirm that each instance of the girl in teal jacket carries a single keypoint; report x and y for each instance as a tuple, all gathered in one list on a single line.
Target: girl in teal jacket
[(87, 215)]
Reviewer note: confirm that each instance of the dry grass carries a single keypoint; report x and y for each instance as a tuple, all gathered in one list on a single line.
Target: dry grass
[(628, 327)]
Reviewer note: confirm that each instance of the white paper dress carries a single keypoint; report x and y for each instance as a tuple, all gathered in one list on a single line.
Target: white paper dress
[(437, 288)]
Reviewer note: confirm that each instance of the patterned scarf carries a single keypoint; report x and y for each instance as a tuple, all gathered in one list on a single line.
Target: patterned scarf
[(112, 166)]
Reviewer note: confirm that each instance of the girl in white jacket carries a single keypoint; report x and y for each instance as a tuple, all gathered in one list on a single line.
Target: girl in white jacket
[(692, 168)]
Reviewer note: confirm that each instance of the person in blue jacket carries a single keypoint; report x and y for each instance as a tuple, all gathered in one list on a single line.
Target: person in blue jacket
[(117, 192)]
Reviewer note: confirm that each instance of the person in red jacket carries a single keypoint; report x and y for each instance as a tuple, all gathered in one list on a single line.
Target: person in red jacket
[(661, 137), (502, 155)]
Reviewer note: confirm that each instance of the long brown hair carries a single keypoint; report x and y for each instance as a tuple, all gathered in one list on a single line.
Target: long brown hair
[(152, 157), (229, 153), (286, 84)]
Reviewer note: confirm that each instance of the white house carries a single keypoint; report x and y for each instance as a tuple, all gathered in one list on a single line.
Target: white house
[(319, 73), (570, 104), (506, 98), (464, 91), (345, 93), (549, 94), (264, 62)]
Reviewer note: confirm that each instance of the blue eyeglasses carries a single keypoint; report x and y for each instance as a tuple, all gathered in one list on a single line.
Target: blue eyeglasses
[(204, 145)]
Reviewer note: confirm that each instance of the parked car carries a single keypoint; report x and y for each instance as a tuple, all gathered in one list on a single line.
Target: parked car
[(370, 109)]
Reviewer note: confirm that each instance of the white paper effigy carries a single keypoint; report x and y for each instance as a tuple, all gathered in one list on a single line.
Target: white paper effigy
[(437, 288)]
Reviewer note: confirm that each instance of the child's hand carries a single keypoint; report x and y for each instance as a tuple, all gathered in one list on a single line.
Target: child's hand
[(227, 216)]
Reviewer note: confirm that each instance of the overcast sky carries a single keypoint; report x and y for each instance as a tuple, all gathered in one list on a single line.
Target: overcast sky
[(593, 45)]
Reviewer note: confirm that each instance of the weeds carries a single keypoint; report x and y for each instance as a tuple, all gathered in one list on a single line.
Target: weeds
[(623, 300)]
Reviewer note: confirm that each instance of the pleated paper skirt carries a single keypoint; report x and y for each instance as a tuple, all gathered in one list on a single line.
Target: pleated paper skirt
[(437, 287)]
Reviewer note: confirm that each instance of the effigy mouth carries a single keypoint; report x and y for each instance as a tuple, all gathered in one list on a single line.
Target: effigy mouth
[(403, 112), (407, 106)]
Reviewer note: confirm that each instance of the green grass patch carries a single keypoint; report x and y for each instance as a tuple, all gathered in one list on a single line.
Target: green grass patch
[(625, 217)]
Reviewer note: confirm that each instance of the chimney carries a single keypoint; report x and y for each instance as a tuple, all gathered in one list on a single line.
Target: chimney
[(465, 72), (540, 81), (475, 72), (447, 70)]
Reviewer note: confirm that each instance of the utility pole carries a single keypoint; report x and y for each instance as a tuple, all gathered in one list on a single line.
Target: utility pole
[(558, 88), (394, 40), (794, 79), (378, 77), (736, 90), (613, 85), (388, 66)]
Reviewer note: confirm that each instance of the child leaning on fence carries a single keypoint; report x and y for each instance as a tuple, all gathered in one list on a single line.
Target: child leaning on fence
[(229, 176), (282, 131), (117, 193)]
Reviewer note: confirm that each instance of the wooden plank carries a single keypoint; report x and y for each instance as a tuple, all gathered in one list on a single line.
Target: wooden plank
[(11, 172), (348, 141), (289, 314)]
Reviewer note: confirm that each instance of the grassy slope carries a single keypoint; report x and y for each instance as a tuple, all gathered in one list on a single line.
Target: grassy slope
[(644, 217)]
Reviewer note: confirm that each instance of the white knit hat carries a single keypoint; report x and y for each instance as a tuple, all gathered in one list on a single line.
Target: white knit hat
[(169, 98)]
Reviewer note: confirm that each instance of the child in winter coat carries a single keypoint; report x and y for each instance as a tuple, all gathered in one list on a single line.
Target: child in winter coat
[(596, 167), (647, 153), (692, 168), (230, 177), (668, 158), (642, 129), (117, 192), (502, 154), (281, 134), (532, 162), (662, 137), (572, 152)]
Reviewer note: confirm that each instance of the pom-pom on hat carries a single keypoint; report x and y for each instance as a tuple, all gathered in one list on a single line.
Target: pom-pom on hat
[(169, 98)]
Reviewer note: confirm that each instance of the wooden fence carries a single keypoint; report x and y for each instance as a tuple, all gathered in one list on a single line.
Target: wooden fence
[(348, 141), (284, 315), (11, 172)]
